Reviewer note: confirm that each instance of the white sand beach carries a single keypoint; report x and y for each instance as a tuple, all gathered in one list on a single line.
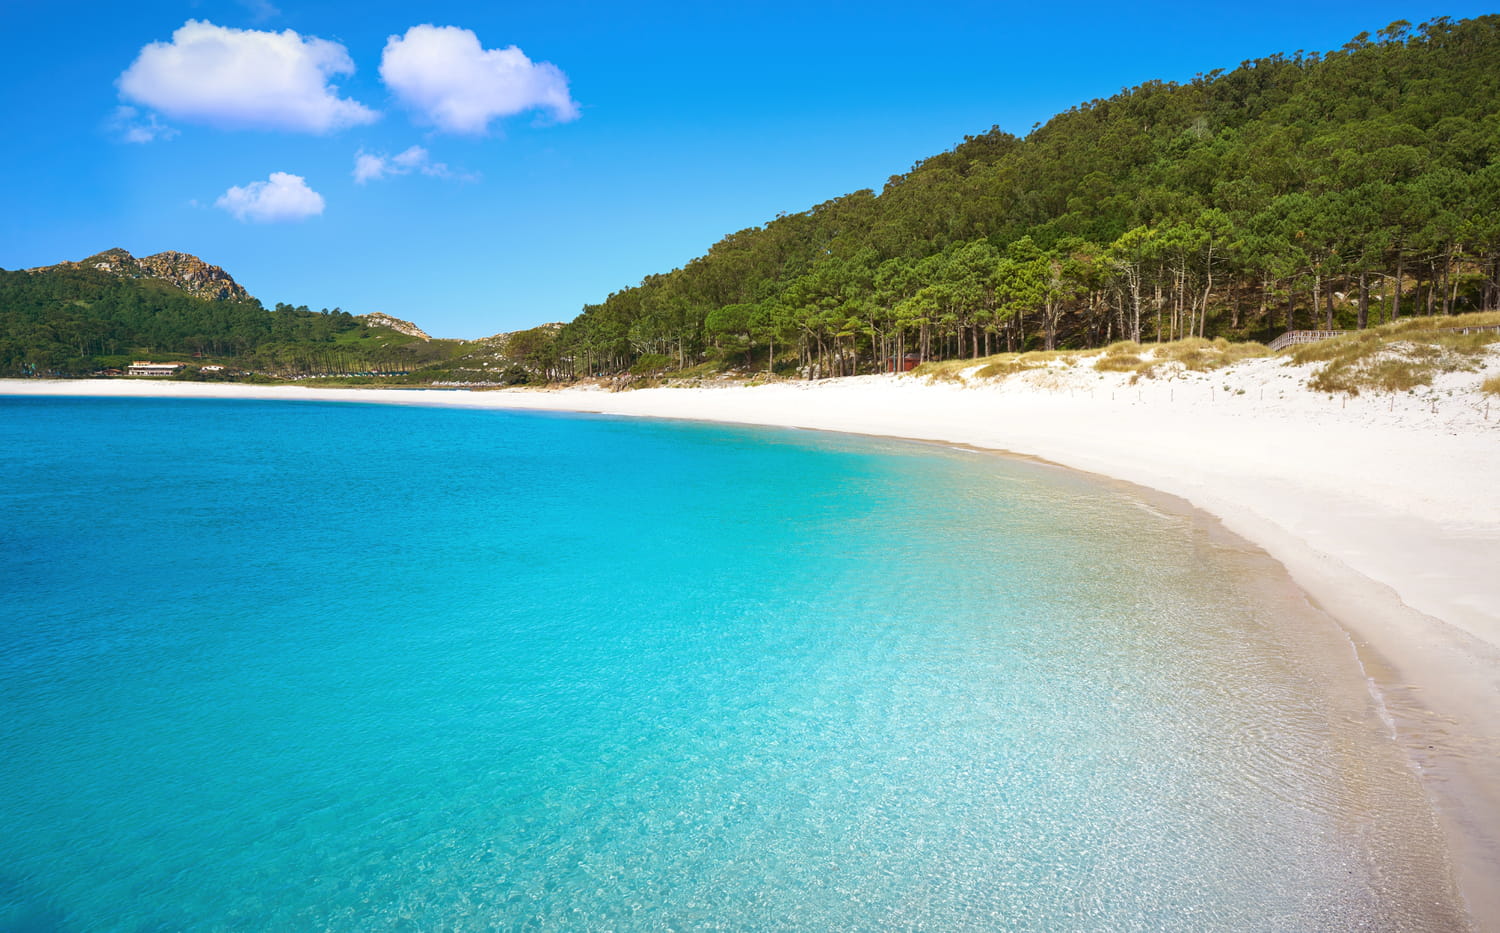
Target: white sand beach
[(1384, 509)]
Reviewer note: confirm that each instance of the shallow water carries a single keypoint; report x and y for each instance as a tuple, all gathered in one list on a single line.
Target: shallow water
[(280, 665)]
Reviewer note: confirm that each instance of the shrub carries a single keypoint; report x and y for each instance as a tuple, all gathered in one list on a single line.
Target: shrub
[(515, 376), (650, 363)]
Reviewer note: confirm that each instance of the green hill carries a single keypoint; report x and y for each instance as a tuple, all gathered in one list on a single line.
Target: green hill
[(111, 309), (1318, 190)]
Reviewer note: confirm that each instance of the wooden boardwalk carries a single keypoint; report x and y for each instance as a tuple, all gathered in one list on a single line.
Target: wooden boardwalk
[(1292, 337)]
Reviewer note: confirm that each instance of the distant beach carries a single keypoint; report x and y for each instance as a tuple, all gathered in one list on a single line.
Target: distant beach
[(1383, 509)]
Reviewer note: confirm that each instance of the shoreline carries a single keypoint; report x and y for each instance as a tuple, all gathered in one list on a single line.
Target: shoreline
[(1384, 511)]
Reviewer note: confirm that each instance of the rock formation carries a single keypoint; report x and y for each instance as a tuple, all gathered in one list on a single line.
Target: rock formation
[(186, 272), (376, 319)]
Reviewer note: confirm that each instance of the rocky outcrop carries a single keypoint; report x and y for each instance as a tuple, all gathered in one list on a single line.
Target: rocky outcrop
[(376, 319), (182, 270), (201, 280), (503, 340)]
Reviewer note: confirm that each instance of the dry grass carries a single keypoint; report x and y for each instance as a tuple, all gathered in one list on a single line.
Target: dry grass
[(943, 371), (1491, 386), (1003, 365), (1120, 363), (1401, 356), (1194, 354), (998, 365), (1326, 350), (1199, 355), (1005, 368)]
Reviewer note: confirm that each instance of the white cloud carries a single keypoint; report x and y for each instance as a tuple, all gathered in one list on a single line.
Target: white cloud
[(416, 158), (369, 166), (244, 78), (260, 10), (135, 128), (281, 197), (445, 76)]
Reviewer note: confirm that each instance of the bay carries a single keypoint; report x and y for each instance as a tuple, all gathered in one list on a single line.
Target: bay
[(290, 666)]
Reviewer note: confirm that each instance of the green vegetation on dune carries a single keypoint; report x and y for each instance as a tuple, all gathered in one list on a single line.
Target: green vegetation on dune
[(1313, 191), (1396, 357), (1402, 356), (1192, 354)]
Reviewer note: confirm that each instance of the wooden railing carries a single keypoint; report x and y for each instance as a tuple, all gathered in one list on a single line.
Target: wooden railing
[(1301, 336)]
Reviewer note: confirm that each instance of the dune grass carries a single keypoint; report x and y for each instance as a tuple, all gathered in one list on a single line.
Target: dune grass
[(1391, 358), (997, 365), (1194, 354), (1399, 357), (1124, 356), (943, 370), (1004, 365), (1121, 363), (1200, 355)]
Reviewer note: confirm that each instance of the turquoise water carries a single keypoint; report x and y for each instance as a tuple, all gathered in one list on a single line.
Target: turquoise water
[(307, 666)]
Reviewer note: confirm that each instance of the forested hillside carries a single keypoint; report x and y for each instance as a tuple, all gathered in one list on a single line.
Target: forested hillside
[(73, 320), (1296, 191)]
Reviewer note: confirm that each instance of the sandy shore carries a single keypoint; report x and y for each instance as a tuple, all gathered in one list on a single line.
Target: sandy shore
[(1385, 510)]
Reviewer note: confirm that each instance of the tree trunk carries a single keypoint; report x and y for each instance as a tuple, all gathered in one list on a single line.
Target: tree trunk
[(1179, 291), (1317, 297), (1396, 298), (1135, 308), (1119, 313), (1158, 302), (1447, 275), (1208, 287), (1364, 300)]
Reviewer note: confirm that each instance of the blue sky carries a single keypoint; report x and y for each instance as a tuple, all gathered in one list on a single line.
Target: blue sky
[(620, 140)]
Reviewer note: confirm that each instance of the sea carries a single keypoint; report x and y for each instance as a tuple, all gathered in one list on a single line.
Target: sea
[(327, 666)]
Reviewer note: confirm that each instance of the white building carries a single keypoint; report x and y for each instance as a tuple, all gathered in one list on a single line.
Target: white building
[(143, 368)]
